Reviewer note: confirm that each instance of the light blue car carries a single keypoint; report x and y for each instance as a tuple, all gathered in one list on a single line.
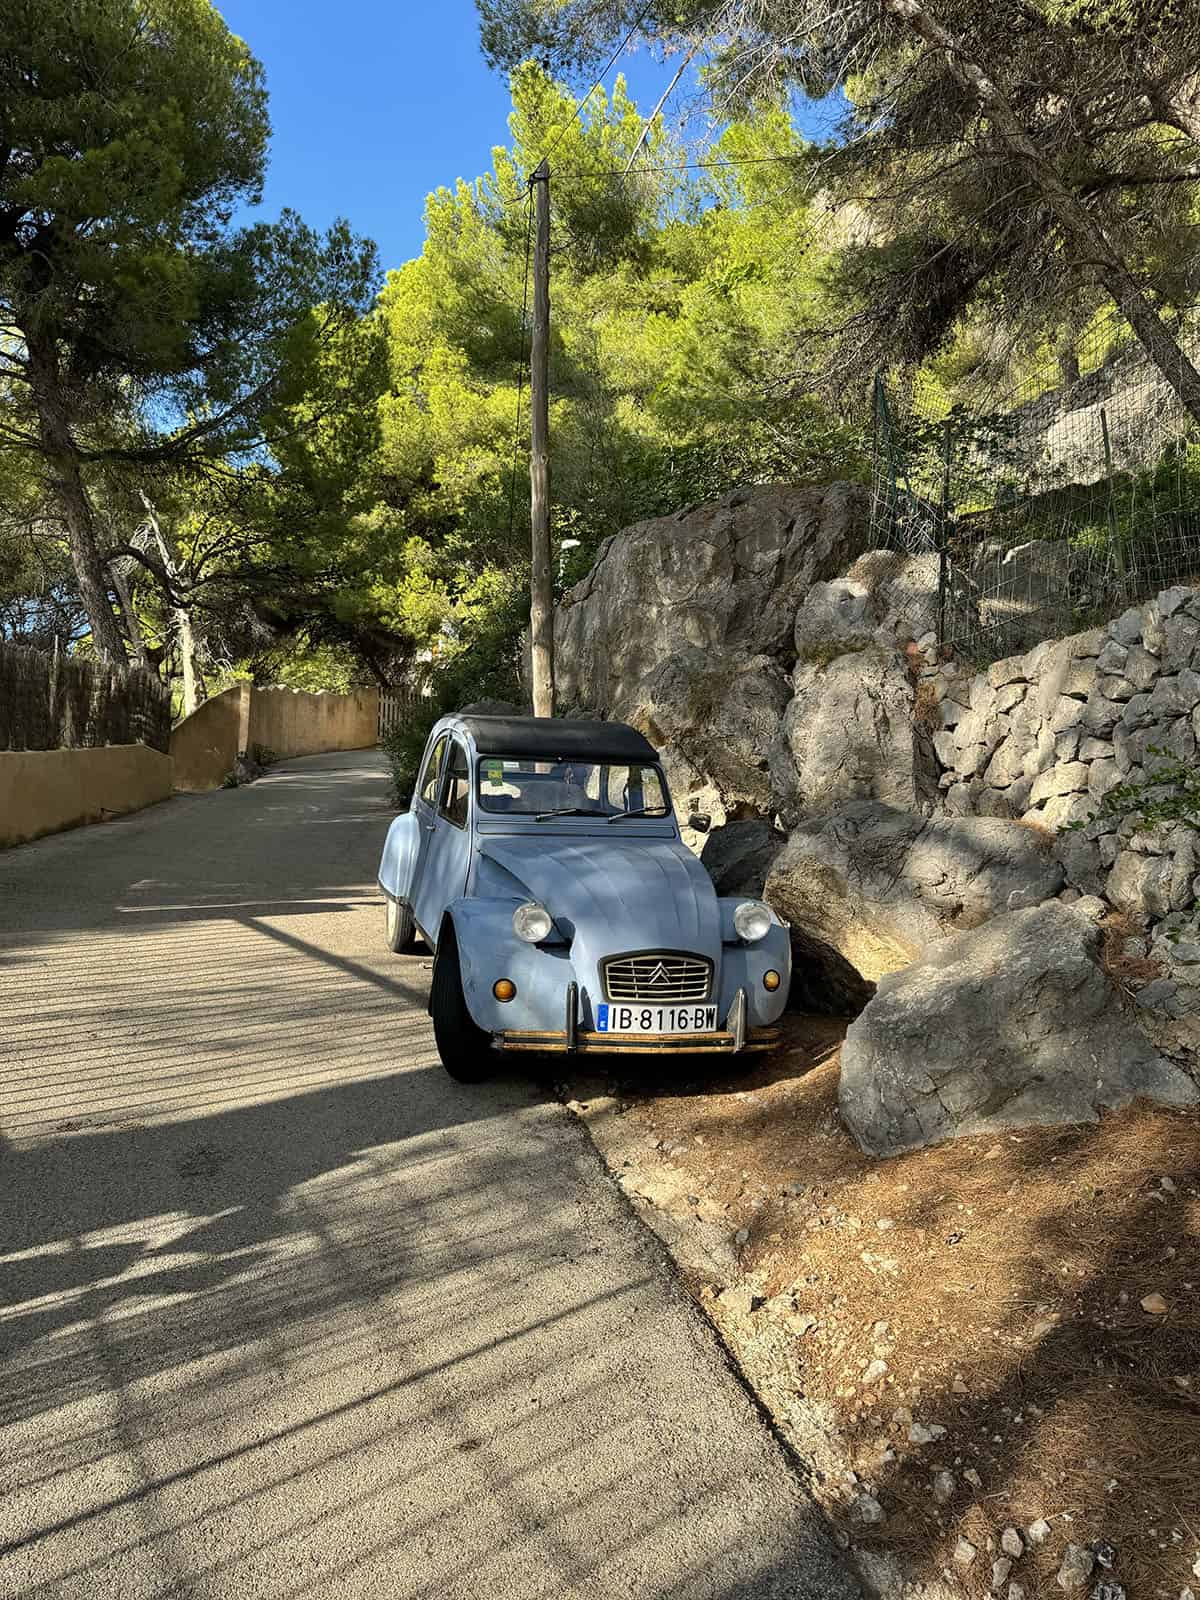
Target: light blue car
[(542, 863)]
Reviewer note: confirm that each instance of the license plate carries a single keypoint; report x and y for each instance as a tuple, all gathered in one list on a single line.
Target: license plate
[(655, 1019)]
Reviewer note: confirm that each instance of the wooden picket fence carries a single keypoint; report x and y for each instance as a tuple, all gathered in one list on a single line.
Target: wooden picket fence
[(400, 708)]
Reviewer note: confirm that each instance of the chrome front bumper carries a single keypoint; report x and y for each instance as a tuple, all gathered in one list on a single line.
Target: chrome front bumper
[(733, 1039), (640, 1044)]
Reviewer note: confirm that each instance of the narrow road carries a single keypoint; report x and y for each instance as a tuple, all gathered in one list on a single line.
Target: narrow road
[(283, 1310)]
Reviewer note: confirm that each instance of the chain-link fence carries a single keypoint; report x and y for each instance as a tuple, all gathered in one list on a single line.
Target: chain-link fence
[(52, 702), (1045, 510)]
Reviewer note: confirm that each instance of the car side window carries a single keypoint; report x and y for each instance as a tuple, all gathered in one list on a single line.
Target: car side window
[(458, 786), (433, 771)]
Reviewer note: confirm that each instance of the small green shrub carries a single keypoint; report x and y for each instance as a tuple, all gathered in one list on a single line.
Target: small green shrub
[(1170, 793), (403, 750)]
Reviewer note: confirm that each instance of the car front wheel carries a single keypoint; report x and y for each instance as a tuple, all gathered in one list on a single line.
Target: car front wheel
[(399, 926), (463, 1046)]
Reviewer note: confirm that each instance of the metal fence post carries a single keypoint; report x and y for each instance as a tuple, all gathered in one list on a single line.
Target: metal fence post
[(944, 531), (1114, 536)]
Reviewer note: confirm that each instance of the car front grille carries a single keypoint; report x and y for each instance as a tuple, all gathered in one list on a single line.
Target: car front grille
[(657, 976)]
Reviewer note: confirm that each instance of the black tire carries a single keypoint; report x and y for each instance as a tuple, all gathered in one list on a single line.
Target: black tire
[(399, 926), (465, 1048)]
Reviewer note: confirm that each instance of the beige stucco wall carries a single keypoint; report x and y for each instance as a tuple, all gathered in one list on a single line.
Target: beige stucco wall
[(205, 745), (291, 722), (44, 791)]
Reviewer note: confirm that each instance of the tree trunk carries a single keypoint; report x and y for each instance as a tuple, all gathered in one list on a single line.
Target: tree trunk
[(70, 492), (132, 627), (1082, 230), (181, 615)]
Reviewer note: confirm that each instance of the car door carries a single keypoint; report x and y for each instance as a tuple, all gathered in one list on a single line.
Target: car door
[(447, 853), (425, 804)]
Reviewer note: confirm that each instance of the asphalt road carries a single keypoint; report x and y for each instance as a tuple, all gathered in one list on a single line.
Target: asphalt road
[(286, 1312)]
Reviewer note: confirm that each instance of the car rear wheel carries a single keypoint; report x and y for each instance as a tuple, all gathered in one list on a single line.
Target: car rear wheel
[(399, 925), (465, 1048)]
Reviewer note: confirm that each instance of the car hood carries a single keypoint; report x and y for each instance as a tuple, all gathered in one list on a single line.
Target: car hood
[(618, 894)]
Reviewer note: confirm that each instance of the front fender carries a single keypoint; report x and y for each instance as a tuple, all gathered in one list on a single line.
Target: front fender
[(489, 949), (744, 965), (399, 860)]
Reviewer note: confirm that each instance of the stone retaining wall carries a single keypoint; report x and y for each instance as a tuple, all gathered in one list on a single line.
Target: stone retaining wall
[(1044, 736)]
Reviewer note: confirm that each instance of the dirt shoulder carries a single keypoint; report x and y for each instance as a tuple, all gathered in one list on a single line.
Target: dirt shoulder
[(986, 1336)]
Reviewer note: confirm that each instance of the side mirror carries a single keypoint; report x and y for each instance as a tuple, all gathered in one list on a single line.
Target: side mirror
[(700, 820)]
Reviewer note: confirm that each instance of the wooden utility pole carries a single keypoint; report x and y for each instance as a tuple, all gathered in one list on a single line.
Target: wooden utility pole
[(541, 597)]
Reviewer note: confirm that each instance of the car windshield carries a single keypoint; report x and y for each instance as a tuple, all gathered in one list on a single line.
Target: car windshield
[(570, 788)]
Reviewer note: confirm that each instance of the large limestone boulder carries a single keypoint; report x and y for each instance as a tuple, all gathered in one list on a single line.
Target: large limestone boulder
[(714, 716), (836, 617), (726, 578), (849, 734), (880, 884), (1002, 1026)]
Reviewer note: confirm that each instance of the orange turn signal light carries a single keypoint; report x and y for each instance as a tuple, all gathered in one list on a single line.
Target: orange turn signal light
[(504, 989), (771, 980)]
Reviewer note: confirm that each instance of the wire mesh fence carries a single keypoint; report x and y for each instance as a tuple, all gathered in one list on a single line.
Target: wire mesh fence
[(1047, 508), (52, 702)]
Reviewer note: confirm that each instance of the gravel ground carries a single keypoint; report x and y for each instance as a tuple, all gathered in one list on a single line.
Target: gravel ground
[(283, 1311)]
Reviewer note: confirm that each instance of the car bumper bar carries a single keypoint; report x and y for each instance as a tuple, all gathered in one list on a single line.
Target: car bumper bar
[(641, 1044)]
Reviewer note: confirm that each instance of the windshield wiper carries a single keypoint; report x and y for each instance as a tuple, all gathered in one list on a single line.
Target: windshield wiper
[(641, 811), (568, 811)]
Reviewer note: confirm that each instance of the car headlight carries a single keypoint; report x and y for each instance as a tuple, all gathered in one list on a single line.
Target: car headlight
[(532, 922), (752, 920)]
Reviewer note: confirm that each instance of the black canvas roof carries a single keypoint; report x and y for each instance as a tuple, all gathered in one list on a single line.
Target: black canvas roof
[(558, 738)]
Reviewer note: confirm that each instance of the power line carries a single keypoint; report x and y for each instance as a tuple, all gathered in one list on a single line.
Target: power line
[(674, 166), (611, 62), (512, 482)]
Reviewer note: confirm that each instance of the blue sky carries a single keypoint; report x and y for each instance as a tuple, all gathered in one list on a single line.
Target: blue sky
[(376, 102)]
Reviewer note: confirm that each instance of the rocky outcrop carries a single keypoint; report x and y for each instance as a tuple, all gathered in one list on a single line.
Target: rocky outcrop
[(1010, 1024), (726, 577), (849, 734), (895, 803), (714, 719), (685, 627), (881, 885)]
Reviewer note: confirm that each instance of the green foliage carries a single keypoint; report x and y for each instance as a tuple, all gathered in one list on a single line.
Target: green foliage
[(403, 750), (1168, 794), (151, 345)]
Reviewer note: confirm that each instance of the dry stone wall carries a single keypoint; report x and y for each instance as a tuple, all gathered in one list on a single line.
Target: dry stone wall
[(1044, 736)]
